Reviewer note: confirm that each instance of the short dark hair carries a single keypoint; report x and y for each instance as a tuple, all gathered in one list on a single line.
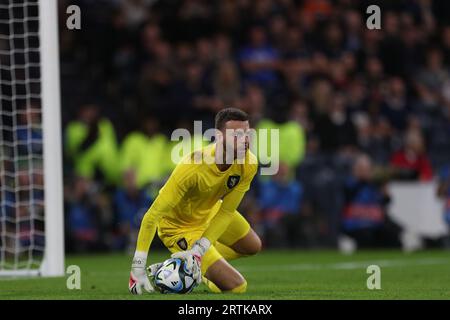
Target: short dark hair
[(229, 114)]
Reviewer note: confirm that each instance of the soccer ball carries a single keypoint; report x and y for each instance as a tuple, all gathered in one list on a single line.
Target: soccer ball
[(173, 276)]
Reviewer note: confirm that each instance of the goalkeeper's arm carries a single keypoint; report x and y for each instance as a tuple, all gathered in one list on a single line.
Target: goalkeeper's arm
[(173, 191), (148, 226), (138, 276)]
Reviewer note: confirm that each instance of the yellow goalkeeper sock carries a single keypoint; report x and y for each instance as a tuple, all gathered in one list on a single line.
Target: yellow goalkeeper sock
[(240, 289), (227, 252), (211, 285)]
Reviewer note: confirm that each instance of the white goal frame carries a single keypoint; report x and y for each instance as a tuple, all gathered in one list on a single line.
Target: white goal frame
[(52, 264)]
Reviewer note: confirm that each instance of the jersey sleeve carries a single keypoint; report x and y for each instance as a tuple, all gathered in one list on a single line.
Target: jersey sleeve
[(178, 184)]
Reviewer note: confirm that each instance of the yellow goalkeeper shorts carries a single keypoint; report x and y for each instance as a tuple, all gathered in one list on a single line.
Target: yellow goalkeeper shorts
[(184, 239)]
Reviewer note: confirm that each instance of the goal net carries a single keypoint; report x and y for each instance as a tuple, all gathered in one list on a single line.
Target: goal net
[(31, 212)]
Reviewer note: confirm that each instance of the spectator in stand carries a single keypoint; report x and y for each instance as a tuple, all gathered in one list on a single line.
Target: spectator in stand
[(226, 84), (335, 128), (280, 199), (321, 96), (91, 145), (29, 131), (353, 23), (259, 60), (317, 9), (395, 105), (254, 102), (176, 149), (193, 98), (391, 46), (223, 48), (144, 153), (292, 141), (412, 161), (444, 194), (155, 89), (373, 138), (130, 204), (439, 139), (374, 77), (25, 208), (364, 217), (86, 215), (333, 41), (446, 44), (431, 81), (134, 11), (299, 113)]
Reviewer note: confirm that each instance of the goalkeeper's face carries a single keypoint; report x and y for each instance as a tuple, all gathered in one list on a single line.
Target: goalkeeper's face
[(236, 140)]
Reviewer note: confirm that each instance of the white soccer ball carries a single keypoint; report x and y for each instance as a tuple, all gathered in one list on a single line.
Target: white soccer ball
[(174, 276)]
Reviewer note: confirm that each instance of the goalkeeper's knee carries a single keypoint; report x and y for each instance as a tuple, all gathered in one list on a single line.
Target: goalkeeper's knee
[(242, 288)]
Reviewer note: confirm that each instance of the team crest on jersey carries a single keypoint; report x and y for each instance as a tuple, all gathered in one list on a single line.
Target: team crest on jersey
[(182, 243), (233, 181)]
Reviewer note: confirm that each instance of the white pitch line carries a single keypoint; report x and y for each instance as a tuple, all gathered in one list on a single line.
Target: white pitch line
[(351, 265)]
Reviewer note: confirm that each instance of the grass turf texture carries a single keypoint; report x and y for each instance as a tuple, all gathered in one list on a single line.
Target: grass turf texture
[(271, 275)]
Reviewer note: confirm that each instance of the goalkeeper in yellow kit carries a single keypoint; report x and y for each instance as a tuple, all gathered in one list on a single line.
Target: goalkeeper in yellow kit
[(195, 213)]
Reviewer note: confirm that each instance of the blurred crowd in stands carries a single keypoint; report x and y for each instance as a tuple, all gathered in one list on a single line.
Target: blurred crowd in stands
[(356, 108)]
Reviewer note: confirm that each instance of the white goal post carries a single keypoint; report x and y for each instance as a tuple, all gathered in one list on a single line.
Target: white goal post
[(53, 264), (32, 230)]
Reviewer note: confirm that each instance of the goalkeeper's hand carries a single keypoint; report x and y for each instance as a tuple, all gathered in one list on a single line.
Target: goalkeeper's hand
[(193, 257), (138, 278)]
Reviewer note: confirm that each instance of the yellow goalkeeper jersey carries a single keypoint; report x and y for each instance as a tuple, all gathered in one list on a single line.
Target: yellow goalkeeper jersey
[(195, 193)]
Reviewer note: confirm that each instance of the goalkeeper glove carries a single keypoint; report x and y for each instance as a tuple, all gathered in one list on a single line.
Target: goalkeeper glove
[(151, 273), (193, 257), (139, 278)]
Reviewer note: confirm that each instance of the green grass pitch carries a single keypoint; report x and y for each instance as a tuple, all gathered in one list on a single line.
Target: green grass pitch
[(270, 275)]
